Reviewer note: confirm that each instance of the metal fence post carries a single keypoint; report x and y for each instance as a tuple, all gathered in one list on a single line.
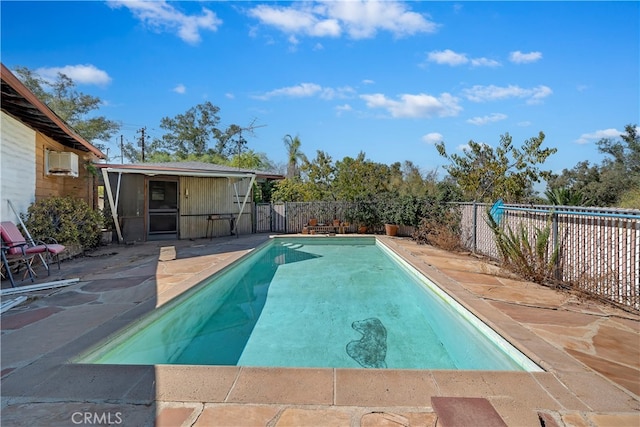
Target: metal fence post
[(554, 235), (475, 227), (286, 218)]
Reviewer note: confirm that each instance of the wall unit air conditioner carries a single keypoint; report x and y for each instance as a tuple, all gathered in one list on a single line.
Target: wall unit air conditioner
[(62, 163)]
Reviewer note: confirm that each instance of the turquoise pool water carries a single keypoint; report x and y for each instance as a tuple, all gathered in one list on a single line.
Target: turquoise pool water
[(315, 302)]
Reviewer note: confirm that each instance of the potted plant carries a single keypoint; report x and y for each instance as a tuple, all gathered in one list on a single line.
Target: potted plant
[(364, 214), (107, 225), (391, 214)]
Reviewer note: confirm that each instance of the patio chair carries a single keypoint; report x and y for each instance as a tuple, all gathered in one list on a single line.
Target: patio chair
[(16, 245), (16, 261)]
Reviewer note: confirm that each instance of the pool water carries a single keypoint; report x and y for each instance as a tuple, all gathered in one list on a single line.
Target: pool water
[(315, 302)]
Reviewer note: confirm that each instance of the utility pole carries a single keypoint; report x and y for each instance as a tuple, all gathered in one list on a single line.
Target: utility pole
[(142, 131), (121, 151)]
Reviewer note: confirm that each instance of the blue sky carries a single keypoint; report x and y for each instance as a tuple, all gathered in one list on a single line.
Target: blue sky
[(387, 78)]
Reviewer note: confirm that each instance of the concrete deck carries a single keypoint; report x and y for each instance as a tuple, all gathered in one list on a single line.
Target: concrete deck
[(590, 353)]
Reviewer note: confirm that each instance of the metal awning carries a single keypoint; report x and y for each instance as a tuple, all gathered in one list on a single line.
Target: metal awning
[(179, 172)]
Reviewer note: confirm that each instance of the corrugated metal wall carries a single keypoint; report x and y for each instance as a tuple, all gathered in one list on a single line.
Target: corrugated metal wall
[(201, 197)]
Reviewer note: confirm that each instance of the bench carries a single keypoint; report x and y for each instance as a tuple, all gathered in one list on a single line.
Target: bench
[(325, 229), (221, 217)]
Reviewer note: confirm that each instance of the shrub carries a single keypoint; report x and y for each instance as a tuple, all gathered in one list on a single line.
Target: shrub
[(70, 221), (364, 212), (528, 256), (439, 226)]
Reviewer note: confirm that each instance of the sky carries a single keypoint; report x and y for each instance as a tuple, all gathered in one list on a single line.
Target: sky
[(388, 78)]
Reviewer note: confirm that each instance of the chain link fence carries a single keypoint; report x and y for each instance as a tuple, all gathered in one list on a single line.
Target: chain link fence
[(599, 248)]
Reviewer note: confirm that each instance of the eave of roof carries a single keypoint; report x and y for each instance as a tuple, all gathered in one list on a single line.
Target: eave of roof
[(158, 169), (20, 102), (186, 169)]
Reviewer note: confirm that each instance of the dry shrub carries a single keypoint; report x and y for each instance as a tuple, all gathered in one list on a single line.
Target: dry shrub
[(440, 228)]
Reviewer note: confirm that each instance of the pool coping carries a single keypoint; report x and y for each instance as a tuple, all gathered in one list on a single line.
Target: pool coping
[(567, 384)]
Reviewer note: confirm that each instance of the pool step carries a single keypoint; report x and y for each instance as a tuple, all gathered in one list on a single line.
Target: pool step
[(466, 411)]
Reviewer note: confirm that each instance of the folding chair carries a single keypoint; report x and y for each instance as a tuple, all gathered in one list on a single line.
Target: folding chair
[(16, 244), (16, 260)]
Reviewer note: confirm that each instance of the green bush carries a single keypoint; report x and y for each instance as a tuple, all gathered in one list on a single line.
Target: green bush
[(70, 221), (532, 257)]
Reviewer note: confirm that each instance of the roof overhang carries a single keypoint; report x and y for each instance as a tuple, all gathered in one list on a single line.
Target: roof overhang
[(164, 171), (21, 103)]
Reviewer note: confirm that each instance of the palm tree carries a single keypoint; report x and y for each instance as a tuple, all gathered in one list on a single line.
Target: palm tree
[(564, 197), (293, 155)]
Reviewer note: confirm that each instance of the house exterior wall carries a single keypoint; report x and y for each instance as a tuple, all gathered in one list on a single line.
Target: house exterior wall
[(24, 179), (18, 174), (82, 187)]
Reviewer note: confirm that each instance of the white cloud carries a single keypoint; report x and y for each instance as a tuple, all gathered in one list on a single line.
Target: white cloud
[(162, 16), (343, 108), (340, 93), (479, 93), (80, 74), (411, 106), (302, 90), (296, 20), (358, 19), (447, 57), (451, 58), (368, 82), (229, 95), (538, 94), (524, 58), (363, 18), (307, 90), (494, 117), (433, 138), (180, 89), (598, 135), (485, 62)]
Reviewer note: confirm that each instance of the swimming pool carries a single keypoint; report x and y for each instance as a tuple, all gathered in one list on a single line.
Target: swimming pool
[(315, 302)]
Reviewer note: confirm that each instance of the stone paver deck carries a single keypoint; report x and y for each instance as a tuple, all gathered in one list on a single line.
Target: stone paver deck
[(590, 353)]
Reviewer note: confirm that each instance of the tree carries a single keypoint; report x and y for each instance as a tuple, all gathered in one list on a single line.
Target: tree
[(485, 174), (294, 155), (615, 181), (624, 152), (194, 135), (70, 105), (251, 160), (564, 197), (320, 173), (359, 178), (293, 190), (191, 132)]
